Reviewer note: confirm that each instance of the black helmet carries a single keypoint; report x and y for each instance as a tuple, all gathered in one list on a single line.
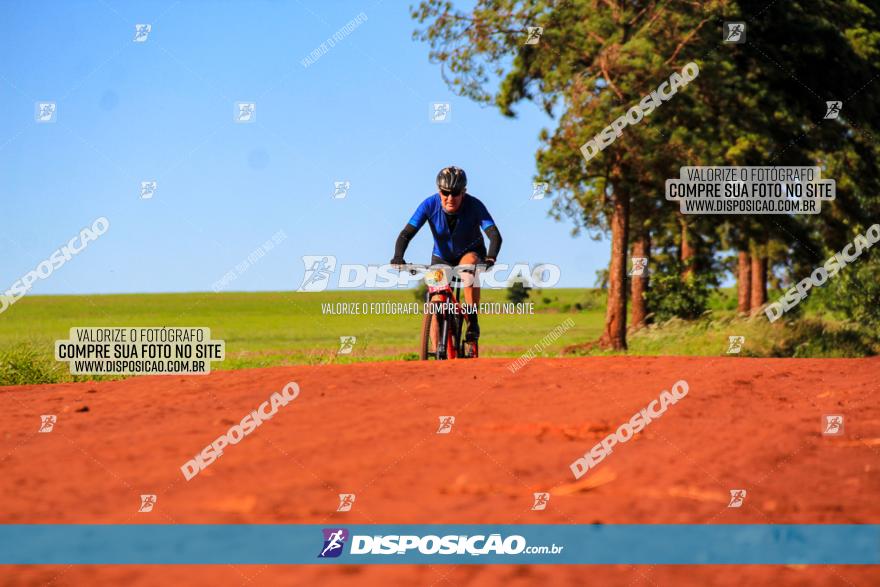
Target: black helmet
[(452, 180)]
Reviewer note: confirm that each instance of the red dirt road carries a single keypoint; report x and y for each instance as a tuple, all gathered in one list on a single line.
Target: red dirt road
[(370, 429)]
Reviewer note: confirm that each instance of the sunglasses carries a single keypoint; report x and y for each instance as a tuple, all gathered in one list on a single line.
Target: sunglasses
[(446, 194)]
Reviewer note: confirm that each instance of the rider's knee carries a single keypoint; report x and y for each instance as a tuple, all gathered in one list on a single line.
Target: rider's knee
[(466, 269), (466, 277), (469, 259)]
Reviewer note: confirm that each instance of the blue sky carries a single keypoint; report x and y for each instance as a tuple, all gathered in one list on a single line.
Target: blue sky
[(163, 110)]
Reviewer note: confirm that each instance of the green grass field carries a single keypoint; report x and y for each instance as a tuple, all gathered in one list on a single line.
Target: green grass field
[(279, 328), (263, 329)]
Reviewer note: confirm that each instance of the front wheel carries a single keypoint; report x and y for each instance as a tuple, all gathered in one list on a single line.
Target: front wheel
[(447, 329), (428, 349)]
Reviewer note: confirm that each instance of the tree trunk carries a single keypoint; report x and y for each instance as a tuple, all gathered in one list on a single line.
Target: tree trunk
[(759, 279), (614, 335), (744, 283), (639, 285), (687, 251)]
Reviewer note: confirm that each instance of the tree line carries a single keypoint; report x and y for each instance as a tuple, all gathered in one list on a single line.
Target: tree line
[(759, 102)]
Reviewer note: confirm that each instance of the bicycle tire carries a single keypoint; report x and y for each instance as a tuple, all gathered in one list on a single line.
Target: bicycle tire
[(426, 336), (452, 337)]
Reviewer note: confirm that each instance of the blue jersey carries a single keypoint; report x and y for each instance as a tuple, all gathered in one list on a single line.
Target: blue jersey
[(452, 244)]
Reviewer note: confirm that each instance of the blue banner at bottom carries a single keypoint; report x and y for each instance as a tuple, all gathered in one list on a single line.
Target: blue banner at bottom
[(654, 544)]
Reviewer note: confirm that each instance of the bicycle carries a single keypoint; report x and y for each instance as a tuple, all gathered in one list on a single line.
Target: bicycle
[(446, 316)]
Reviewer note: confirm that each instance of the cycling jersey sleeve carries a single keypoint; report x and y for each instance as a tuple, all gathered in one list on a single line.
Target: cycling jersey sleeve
[(484, 217), (421, 215)]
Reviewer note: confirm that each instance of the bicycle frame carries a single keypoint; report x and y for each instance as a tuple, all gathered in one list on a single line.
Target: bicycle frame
[(450, 312), (449, 294)]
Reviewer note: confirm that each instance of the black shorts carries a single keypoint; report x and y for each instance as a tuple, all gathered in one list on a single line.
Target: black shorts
[(481, 257)]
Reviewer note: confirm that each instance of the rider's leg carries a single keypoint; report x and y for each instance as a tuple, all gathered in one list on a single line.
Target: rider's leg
[(471, 290)]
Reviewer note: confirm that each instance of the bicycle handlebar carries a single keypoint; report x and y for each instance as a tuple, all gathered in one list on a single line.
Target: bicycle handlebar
[(413, 267)]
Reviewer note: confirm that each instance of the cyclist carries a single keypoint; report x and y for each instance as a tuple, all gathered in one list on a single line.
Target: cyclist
[(455, 218)]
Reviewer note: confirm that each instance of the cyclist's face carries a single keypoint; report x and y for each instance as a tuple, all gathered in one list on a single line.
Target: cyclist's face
[(451, 203)]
